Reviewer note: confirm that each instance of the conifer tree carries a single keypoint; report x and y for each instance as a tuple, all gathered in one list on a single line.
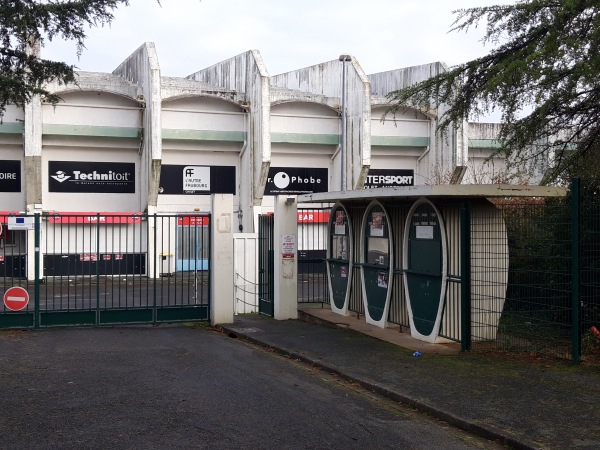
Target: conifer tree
[(25, 25), (542, 74)]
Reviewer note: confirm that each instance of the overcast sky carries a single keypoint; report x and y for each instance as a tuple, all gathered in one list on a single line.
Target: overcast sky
[(191, 34)]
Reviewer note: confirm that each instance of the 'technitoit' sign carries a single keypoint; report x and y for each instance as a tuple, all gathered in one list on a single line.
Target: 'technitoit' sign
[(91, 177)]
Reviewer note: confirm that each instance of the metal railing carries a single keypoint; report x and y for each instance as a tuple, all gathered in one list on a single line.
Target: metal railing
[(82, 269), (313, 239)]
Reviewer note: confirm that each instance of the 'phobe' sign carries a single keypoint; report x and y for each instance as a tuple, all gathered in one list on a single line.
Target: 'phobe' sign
[(91, 177), (296, 180), (389, 178), (10, 176)]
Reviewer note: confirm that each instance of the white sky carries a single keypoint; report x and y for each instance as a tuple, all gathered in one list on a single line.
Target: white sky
[(191, 34)]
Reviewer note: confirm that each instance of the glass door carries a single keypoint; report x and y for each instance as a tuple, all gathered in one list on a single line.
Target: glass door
[(192, 242)]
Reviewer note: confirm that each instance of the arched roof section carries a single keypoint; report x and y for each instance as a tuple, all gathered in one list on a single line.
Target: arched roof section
[(100, 82), (190, 100), (307, 106), (379, 110), (108, 99)]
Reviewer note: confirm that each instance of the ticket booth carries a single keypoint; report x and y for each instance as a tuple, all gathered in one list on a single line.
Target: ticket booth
[(377, 263), (339, 258), (434, 259), (425, 268)]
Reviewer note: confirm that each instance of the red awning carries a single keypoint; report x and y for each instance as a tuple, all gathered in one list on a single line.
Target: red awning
[(313, 216), (92, 217), (192, 220), (4, 215)]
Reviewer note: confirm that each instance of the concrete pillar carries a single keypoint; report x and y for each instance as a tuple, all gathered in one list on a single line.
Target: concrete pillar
[(285, 237), (32, 143), (221, 274)]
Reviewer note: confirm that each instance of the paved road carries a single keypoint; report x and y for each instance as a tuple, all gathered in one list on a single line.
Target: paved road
[(184, 387)]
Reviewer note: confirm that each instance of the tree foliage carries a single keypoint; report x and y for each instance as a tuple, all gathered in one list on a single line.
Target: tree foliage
[(26, 24), (542, 74)]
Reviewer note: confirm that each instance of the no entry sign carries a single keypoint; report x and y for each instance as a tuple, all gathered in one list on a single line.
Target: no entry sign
[(16, 298)]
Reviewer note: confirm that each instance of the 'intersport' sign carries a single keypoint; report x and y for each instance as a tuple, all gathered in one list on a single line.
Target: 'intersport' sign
[(91, 177), (389, 178), (10, 176)]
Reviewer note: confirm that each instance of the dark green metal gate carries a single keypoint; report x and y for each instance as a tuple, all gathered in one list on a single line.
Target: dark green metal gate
[(104, 269), (266, 264), (313, 237)]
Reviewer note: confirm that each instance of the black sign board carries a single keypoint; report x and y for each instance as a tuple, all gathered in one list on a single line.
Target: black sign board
[(389, 178), (296, 180), (10, 176), (91, 177), (196, 180)]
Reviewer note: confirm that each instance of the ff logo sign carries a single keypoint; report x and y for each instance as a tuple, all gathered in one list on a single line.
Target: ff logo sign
[(196, 179)]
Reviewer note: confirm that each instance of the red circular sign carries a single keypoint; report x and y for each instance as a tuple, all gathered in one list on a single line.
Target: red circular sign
[(16, 298)]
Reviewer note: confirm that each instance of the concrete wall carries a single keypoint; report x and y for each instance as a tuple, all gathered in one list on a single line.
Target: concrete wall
[(328, 80), (486, 165), (92, 126), (445, 151), (200, 129), (247, 75), (142, 68)]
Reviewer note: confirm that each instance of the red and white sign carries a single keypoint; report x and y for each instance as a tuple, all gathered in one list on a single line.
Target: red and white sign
[(192, 220), (91, 217), (288, 246), (16, 298), (313, 216)]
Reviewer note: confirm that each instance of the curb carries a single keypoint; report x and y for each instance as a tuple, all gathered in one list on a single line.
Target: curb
[(485, 432)]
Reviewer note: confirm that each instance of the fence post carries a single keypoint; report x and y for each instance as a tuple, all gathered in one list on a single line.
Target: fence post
[(36, 267), (221, 259), (98, 259), (156, 261), (575, 301), (465, 276)]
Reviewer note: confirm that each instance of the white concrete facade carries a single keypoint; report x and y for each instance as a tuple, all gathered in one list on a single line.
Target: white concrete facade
[(235, 123)]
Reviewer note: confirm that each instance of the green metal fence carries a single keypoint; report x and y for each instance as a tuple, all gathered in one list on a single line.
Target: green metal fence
[(551, 303), (104, 269), (266, 264), (533, 305), (313, 236)]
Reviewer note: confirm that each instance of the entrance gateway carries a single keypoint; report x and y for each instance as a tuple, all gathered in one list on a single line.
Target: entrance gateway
[(105, 268)]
